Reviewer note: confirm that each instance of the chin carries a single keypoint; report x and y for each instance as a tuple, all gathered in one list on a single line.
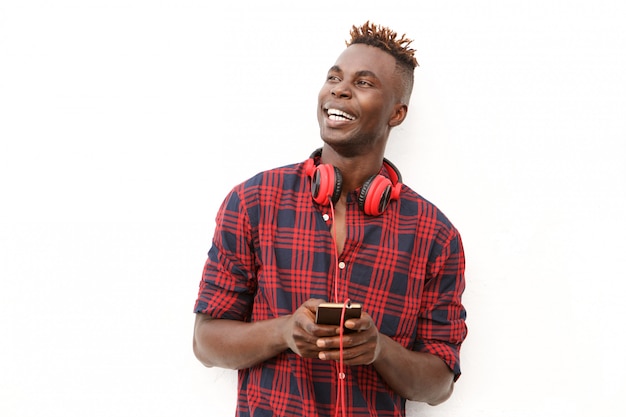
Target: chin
[(331, 135)]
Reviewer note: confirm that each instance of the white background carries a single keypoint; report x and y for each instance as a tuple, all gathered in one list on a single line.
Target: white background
[(124, 123)]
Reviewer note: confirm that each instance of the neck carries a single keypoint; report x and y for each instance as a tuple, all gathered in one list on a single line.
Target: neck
[(355, 169)]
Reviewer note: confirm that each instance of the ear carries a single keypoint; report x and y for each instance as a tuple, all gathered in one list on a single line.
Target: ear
[(398, 114)]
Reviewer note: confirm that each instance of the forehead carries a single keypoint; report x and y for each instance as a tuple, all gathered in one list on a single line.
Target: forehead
[(361, 57)]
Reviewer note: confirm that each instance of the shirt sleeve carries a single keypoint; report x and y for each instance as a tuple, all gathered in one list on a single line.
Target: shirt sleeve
[(228, 280), (441, 322)]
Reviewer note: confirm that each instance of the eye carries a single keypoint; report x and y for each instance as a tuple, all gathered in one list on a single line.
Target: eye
[(364, 83), (333, 78)]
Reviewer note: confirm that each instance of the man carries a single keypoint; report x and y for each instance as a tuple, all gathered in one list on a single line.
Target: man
[(340, 226)]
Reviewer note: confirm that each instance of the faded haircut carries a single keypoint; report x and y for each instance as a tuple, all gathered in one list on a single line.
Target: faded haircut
[(387, 40)]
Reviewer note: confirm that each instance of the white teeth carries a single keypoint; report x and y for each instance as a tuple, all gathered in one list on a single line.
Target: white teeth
[(334, 114)]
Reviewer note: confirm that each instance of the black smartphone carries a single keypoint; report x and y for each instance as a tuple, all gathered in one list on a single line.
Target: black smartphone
[(330, 313)]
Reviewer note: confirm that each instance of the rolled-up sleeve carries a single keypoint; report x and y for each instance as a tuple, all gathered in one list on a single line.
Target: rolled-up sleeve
[(441, 321), (228, 280)]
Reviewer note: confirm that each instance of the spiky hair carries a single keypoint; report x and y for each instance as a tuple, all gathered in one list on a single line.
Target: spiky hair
[(386, 39)]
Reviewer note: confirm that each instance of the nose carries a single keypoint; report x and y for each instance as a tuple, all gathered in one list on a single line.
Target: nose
[(341, 90)]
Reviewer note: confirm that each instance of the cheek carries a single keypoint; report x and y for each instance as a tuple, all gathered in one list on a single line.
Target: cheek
[(377, 114), (324, 92), (321, 97)]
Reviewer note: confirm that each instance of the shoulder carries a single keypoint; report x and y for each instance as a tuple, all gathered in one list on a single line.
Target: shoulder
[(429, 223), (414, 205), (275, 177), (271, 184)]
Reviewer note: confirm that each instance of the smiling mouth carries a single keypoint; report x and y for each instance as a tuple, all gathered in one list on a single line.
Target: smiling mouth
[(335, 114)]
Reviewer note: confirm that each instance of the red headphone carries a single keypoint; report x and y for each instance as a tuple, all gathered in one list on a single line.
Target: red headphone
[(376, 192)]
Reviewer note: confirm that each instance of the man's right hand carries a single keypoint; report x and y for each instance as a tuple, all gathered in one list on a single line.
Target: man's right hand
[(301, 333)]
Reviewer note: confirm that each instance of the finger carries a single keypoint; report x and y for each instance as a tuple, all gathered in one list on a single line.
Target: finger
[(349, 340), (362, 359), (361, 324), (350, 356), (329, 343), (312, 303), (326, 331)]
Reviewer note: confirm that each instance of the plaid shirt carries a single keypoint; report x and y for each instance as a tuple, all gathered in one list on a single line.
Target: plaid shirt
[(272, 250)]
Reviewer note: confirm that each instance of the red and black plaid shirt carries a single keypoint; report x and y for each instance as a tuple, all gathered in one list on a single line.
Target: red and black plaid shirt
[(272, 250)]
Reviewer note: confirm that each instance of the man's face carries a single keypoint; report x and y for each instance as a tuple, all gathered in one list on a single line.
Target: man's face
[(358, 103)]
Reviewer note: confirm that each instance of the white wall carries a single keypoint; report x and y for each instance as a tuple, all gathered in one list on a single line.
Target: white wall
[(124, 123)]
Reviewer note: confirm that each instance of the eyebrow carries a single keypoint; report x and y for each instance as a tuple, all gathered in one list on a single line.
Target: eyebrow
[(362, 73)]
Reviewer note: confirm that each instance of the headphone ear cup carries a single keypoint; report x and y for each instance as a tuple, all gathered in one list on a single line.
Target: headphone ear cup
[(326, 184), (375, 195)]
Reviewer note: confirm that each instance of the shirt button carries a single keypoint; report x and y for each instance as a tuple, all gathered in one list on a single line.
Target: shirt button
[(325, 217), (342, 265)]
